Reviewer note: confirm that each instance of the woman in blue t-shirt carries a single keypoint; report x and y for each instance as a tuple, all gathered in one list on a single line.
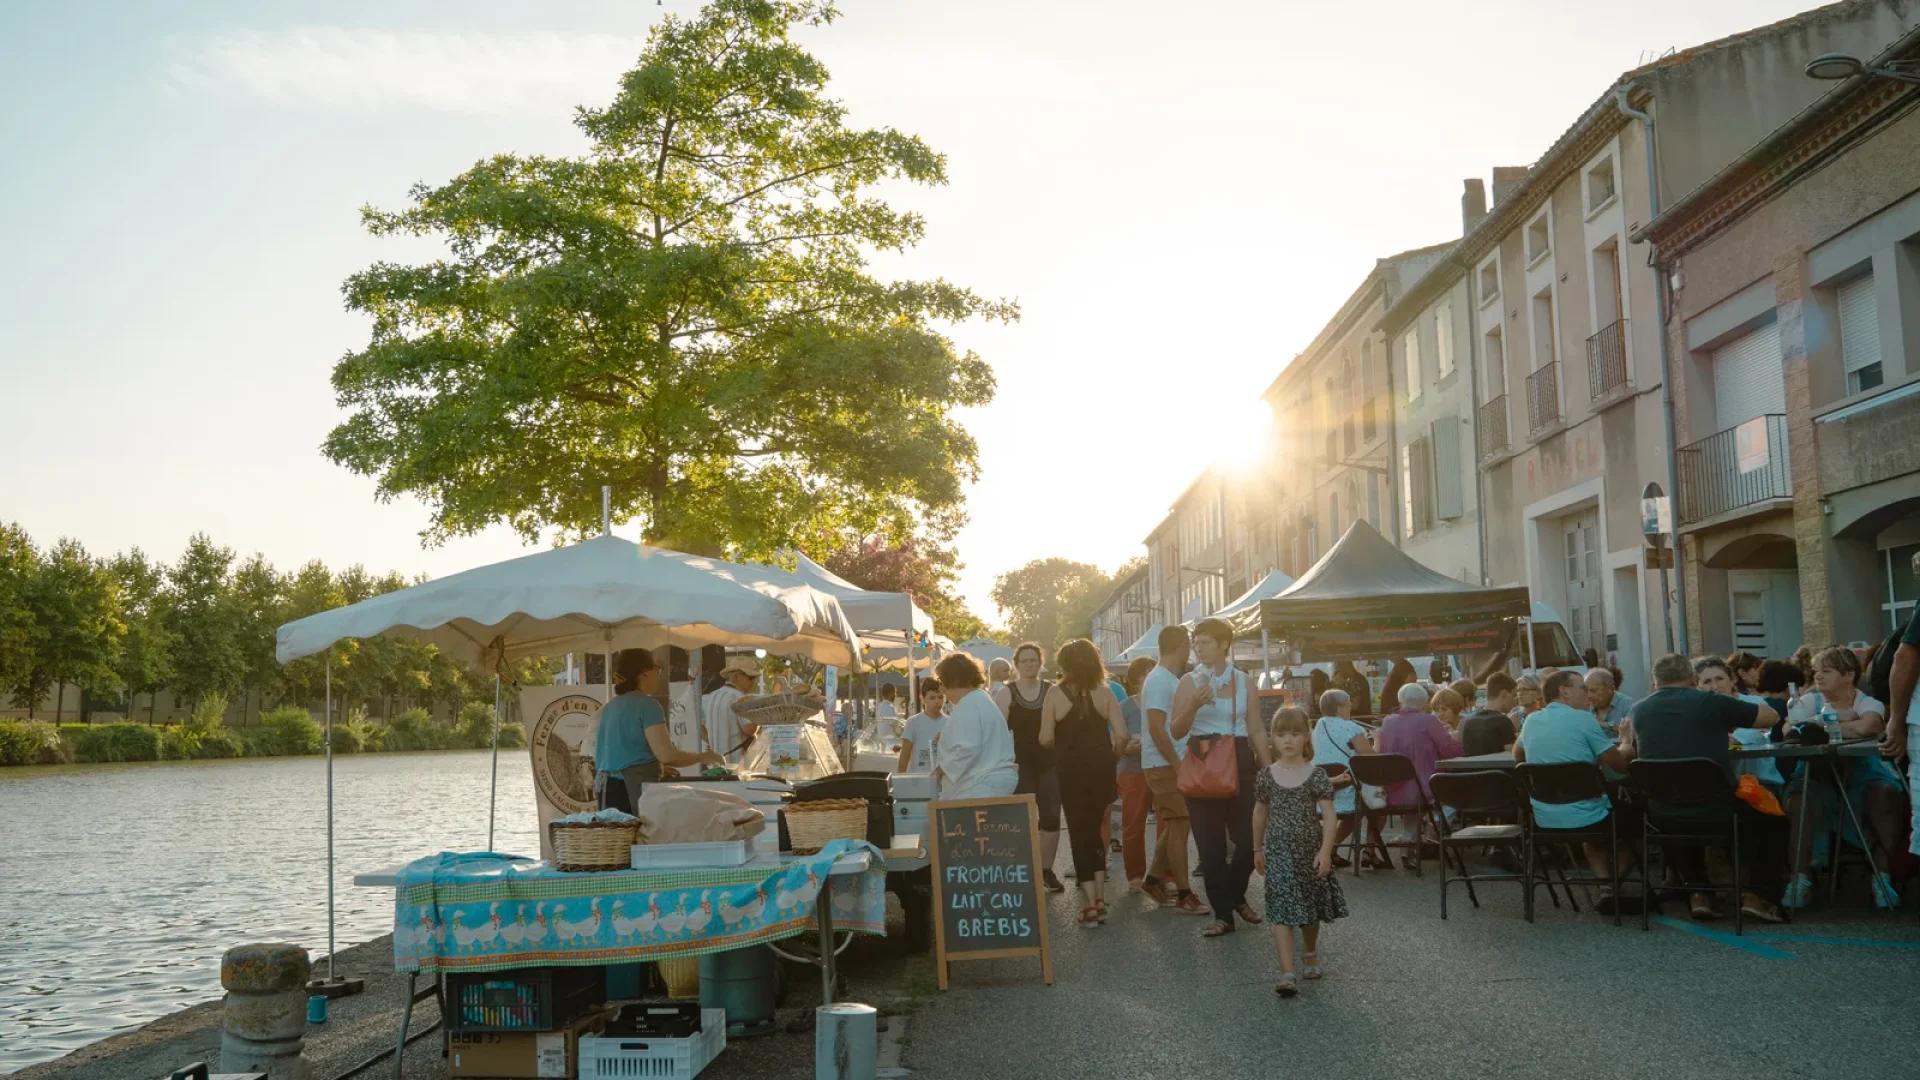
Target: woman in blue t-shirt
[(632, 741)]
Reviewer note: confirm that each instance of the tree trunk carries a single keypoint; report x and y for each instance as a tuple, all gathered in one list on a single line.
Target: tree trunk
[(59, 702)]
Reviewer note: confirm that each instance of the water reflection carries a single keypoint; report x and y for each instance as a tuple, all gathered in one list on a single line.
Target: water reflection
[(121, 885)]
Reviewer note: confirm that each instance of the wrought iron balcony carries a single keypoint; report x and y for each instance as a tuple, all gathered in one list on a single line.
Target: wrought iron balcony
[(1493, 427), (1543, 397), (1733, 468), (1607, 362)]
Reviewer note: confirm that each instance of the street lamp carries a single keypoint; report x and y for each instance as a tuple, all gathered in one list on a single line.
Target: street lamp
[(1832, 66)]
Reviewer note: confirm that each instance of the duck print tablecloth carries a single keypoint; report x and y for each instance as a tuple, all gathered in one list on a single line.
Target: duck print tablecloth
[(486, 912)]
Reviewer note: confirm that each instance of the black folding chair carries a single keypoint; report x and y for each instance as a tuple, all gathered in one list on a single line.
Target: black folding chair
[(1559, 785), (1384, 771), (1699, 790), (1491, 792), (1335, 772)]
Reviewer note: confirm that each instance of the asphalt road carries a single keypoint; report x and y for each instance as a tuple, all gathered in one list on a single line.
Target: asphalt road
[(1482, 994)]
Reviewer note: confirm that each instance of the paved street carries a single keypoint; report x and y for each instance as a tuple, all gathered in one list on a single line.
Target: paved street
[(1480, 995)]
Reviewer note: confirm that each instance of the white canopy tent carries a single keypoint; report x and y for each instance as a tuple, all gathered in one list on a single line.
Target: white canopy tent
[(1148, 645), (601, 594), (1266, 588), (986, 650), (893, 631)]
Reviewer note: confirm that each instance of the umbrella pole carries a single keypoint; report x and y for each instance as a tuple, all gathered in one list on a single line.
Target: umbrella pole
[(1266, 654), (329, 815), (493, 787)]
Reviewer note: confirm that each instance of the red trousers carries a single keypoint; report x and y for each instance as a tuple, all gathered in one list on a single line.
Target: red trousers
[(1135, 801)]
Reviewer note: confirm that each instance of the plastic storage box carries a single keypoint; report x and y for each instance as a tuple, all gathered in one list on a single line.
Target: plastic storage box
[(528, 999), (691, 856), (647, 1058)]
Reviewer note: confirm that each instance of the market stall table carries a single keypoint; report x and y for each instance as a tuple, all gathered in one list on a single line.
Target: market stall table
[(1830, 752), (847, 863)]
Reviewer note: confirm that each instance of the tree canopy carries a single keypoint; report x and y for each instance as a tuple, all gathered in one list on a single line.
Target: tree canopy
[(1050, 601), (684, 313)]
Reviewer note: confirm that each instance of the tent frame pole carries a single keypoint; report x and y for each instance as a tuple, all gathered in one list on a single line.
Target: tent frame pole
[(493, 787), (330, 907)]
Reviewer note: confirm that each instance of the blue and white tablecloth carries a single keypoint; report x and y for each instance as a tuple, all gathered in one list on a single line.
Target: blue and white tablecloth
[(487, 912)]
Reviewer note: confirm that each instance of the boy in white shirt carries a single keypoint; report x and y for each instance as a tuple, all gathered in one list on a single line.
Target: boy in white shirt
[(923, 729)]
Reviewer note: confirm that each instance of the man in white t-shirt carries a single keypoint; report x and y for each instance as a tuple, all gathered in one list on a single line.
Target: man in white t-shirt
[(725, 733), (1160, 755), (923, 729)]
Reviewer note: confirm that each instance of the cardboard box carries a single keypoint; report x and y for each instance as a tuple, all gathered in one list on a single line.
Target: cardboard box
[(522, 1055)]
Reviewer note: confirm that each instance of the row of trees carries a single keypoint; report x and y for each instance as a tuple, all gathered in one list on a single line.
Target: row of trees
[(201, 626)]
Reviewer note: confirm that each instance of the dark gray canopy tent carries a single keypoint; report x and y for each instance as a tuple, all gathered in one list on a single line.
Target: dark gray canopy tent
[(1366, 598)]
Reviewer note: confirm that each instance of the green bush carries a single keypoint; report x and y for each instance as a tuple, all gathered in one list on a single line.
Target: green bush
[(375, 736), (513, 736), (285, 732), (204, 734), (474, 728), (415, 729), (31, 742), (117, 742)]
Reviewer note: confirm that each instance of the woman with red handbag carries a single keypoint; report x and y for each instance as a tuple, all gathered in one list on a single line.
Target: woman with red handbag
[(1216, 775)]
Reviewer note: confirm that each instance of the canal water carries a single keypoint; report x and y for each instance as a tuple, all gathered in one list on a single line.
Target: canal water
[(121, 885)]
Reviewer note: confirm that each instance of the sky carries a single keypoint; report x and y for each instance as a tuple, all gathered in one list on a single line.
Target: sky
[(1177, 195)]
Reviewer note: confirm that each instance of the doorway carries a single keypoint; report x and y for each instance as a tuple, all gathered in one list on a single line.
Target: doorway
[(1764, 611), (1585, 623)]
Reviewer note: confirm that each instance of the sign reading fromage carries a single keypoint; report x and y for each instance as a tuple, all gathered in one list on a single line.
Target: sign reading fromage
[(988, 903)]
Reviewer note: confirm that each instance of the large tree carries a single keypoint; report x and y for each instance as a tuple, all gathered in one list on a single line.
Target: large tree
[(1045, 600), (259, 607), (684, 313), (19, 631), (77, 604), (145, 661), (203, 619)]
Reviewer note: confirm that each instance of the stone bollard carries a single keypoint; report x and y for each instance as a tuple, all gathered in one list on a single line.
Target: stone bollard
[(846, 1041), (266, 1010)]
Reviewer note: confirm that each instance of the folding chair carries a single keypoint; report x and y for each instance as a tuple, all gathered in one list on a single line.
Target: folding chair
[(1571, 782), (1384, 771), (1335, 772), (1493, 791), (1700, 790)]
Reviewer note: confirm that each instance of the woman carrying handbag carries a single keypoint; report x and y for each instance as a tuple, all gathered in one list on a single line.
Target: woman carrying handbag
[(1216, 776)]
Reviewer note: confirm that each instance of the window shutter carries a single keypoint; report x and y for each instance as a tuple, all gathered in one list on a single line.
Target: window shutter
[(1446, 469), (1859, 324), (1748, 380)]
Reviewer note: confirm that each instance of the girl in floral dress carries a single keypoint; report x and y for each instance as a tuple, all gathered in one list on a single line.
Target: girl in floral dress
[(1293, 814)]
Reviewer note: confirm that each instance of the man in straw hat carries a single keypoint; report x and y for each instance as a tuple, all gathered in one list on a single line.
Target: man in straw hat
[(725, 733)]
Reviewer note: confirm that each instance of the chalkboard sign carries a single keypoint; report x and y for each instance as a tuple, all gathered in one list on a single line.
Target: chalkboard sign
[(987, 897), (1271, 702)]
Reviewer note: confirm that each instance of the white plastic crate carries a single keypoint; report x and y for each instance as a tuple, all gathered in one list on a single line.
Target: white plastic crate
[(691, 856), (645, 1058)]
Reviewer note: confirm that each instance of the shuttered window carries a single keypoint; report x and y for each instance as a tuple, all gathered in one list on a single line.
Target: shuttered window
[(1748, 381), (1860, 335), (1443, 337), (1447, 500), (1411, 345)]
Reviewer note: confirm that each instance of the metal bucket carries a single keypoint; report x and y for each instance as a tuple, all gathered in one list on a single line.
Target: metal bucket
[(744, 982)]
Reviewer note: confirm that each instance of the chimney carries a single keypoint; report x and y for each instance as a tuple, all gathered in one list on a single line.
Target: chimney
[(1473, 205), (1506, 180)]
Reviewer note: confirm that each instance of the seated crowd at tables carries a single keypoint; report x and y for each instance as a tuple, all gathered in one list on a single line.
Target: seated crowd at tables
[(1699, 708)]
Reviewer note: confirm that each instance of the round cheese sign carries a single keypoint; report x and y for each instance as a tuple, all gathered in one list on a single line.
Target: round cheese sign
[(562, 745)]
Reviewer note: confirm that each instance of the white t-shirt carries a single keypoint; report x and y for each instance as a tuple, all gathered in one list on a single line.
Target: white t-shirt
[(886, 711), (975, 752), (921, 731), (1157, 693)]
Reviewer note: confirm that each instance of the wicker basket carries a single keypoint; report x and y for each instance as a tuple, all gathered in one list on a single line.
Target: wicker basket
[(810, 825), (682, 976), (579, 847), (787, 708)]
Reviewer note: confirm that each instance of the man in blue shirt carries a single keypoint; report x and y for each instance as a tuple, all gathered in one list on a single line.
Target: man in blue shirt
[(1609, 704), (1567, 731), (632, 740)]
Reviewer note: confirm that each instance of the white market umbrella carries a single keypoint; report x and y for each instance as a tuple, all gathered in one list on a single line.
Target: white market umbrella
[(894, 631), (987, 650), (604, 593)]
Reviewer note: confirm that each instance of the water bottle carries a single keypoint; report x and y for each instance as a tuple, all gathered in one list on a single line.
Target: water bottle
[(1830, 719)]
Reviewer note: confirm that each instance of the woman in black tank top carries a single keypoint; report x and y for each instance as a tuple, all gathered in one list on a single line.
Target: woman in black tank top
[(1037, 776), (1082, 723)]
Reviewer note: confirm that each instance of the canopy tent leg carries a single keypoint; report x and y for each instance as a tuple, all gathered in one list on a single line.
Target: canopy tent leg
[(330, 815), (493, 787), (913, 678)]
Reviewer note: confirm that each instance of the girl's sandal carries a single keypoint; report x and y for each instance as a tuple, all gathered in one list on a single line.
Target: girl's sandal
[(1286, 987), (1217, 929), (1248, 915), (1090, 916), (1311, 969)]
